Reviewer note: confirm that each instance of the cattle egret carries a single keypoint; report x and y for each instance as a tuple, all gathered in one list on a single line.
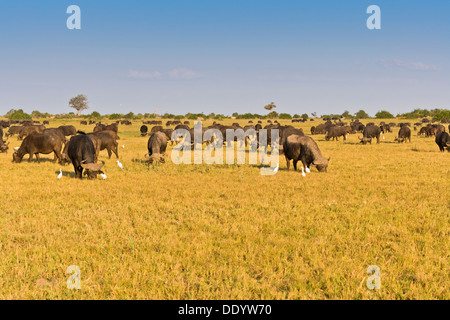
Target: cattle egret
[(16, 148), (60, 174), (103, 176), (119, 164), (307, 170), (303, 172), (123, 146)]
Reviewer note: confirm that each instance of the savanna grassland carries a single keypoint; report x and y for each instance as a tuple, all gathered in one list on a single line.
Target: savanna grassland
[(227, 232)]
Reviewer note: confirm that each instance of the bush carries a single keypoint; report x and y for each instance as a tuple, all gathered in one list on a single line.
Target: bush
[(384, 115), (115, 116), (305, 116), (129, 116), (361, 114), (19, 115), (95, 115), (285, 116), (272, 115), (441, 114)]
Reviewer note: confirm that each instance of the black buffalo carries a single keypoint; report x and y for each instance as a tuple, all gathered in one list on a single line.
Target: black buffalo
[(443, 141), (370, 132), (144, 130), (81, 152), (404, 134)]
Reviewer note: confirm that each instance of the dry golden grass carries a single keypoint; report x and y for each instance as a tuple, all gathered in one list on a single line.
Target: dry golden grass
[(225, 231)]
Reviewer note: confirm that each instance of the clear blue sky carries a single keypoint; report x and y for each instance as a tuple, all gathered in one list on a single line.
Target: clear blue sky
[(225, 56)]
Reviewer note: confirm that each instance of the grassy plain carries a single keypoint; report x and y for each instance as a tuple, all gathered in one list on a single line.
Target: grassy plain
[(226, 232)]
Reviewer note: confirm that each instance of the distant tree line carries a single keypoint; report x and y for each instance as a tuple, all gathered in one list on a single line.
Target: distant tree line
[(19, 114)]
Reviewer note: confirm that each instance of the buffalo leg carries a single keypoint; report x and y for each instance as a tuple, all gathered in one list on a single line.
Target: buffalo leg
[(109, 153), (31, 157), (57, 156), (115, 150), (295, 164), (38, 158), (288, 163)]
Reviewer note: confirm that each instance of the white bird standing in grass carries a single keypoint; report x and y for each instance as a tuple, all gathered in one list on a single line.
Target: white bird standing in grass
[(60, 174), (307, 170), (119, 164), (123, 146), (303, 172), (103, 176)]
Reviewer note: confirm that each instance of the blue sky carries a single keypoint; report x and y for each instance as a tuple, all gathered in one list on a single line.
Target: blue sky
[(225, 56)]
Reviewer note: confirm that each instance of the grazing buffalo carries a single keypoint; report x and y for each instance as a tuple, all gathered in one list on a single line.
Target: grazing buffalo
[(107, 142), (39, 143), (443, 141), (404, 134), (335, 132), (144, 130), (157, 144), (369, 133), (81, 152), (304, 149), (83, 123), (68, 130)]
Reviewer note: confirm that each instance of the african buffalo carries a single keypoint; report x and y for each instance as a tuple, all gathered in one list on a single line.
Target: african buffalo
[(369, 133), (443, 141), (335, 132), (157, 144), (404, 134), (304, 149), (144, 130), (38, 143), (107, 142), (81, 152)]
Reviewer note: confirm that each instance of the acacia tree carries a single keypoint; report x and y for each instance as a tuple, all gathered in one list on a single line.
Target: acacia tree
[(79, 103)]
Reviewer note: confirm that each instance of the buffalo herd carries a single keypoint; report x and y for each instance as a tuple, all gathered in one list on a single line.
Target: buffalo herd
[(82, 149)]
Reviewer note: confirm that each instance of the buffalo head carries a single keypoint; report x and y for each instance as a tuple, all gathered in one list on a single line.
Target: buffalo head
[(321, 164), (92, 169), (365, 140)]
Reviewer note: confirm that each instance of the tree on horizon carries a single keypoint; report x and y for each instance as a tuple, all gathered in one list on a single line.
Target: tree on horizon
[(79, 103)]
